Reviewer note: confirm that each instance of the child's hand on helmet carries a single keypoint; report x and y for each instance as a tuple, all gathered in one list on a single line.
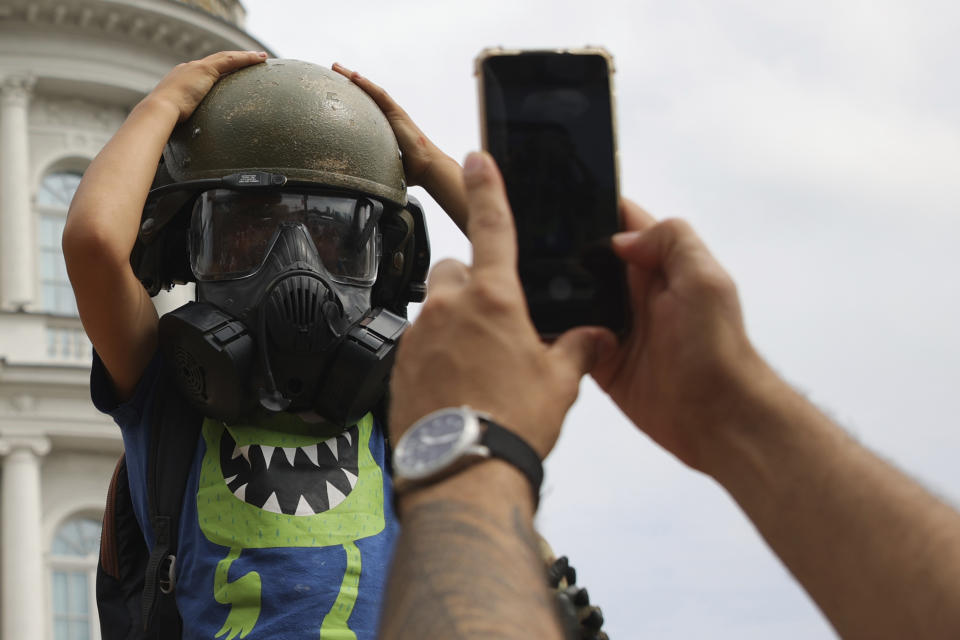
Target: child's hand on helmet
[(419, 153), (424, 163), (187, 84), (105, 215)]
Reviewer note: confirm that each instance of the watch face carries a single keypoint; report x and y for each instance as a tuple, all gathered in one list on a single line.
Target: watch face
[(433, 442)]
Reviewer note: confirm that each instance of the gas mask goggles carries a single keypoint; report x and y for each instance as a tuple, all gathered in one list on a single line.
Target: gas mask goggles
[(283, 318)]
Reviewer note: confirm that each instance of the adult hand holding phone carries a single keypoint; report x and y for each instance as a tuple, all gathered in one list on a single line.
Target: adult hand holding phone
[(877, 552), (687, 355), (473, 342)]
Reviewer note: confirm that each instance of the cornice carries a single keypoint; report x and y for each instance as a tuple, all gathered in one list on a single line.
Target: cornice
[(44, 375), (182, 29), (75, 113), (230, 10)]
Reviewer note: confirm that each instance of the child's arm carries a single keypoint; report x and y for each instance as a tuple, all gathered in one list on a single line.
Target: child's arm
[(423, 162), (104, 219)]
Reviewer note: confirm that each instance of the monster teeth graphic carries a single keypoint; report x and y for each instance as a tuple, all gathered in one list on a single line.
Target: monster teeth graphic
[(304, 509), (267, 452), (300, 481), (334, 496), (311, 453), (351, 478), (272, 505)]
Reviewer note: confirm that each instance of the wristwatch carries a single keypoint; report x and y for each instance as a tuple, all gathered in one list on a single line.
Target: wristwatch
[(445, 441)]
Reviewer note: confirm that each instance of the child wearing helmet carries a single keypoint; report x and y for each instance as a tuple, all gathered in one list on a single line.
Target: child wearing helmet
[(281, 192)]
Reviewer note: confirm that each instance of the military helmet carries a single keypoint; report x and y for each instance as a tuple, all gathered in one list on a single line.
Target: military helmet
[(284, 124), (294, 118)]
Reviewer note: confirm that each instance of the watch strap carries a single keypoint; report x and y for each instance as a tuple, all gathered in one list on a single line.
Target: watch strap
[(509, 447)]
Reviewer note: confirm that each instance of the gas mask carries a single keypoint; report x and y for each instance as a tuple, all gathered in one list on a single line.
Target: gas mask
[(283, 319)]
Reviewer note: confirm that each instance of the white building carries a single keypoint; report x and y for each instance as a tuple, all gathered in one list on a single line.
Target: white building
[(70, 70)]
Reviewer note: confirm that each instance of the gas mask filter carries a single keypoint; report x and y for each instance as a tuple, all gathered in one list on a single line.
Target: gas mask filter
[(283, 318)]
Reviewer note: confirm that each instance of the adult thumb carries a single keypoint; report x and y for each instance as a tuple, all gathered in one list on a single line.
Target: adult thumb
[(580, 348)]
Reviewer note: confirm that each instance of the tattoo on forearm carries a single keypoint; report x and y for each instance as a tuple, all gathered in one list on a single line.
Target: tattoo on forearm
[(464, 575), (525, 533)]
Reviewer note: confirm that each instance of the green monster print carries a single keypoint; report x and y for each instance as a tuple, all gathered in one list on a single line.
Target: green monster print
[(280, 484), (242, 595)]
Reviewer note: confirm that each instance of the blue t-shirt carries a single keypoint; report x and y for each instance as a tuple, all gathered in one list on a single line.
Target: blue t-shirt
[(284, 533)]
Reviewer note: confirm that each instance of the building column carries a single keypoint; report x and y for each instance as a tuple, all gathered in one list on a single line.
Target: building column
[(23, 596), (17, 241)]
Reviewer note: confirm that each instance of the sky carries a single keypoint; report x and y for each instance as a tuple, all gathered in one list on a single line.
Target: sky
[(815, 146)]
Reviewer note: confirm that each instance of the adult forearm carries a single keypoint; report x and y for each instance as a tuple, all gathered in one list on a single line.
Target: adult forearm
[(879, 554), (467, 563)]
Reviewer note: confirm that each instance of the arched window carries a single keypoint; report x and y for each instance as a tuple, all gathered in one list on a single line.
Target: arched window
[(73, 563), (53, 199)]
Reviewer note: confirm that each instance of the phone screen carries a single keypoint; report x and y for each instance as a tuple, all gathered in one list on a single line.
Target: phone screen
[(549, 126)]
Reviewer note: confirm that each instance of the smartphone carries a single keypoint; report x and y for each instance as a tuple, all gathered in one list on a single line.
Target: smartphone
[(547, 118)]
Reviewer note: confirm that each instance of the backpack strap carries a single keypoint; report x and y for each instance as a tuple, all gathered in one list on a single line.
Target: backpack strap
[(175, 429), (122, 562), (109, 545)]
